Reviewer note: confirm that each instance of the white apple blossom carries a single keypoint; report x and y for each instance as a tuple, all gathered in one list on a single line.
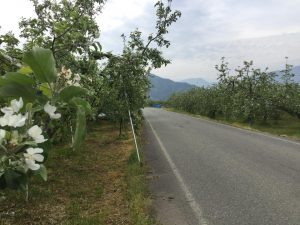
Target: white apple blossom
[(66, 73), (10, 118), (69, 82), (76, 84), (2, 134), (77, 77), (36, 133), (17, 105), (101, 115), (75, 81), (17, 120), (4, 120), (14, 107), (7, 110), (32, 156), (13, 120), (50, 109)]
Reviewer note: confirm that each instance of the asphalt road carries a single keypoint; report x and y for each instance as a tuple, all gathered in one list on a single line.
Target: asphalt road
[(202, 172)]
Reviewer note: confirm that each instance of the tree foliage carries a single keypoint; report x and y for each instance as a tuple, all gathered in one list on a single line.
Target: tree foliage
[(250, 94), (61, 82)]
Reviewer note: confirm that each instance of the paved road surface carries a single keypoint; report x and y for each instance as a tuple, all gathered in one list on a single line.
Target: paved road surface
[(208, 173)]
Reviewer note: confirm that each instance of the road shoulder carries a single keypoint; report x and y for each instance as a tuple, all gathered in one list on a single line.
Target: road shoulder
[(169, 203)]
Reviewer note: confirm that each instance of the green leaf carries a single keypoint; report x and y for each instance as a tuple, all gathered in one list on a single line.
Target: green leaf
[(25, 70), (43, 172), (46, 146), (45, 89), (2, 182), (80, 130), (79, 50), (17, 78), (42, 63), (15, 180), (81, 102), (70, 92), (15, 89)]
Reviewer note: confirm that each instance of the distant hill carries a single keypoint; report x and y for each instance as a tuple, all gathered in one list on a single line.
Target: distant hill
[(295, 70), (197, 82), (163, 88)]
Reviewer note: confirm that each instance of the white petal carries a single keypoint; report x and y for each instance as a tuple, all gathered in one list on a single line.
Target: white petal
[(17, 105), (33, 151), (76, 84), (49, 108), (30, 151), (77, 77), (34, 131), (2, 134), (3, 121), (38, 157), (68, 74), (7, 110), (32, 165), (15, 120), (69, 82), (20, 121), (12, 119), (55, 116), (39, 139), (39, 150)]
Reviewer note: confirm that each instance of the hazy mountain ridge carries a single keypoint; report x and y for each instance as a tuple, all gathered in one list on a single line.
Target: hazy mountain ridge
[(199, 82), (163, 88), (295, 70)]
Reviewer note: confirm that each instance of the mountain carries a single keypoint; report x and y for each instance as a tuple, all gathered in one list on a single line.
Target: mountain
[(163, 88), (295, 70), (197, 82)]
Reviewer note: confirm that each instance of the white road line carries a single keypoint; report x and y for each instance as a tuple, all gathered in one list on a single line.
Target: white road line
[(189, 196), (238, 128)]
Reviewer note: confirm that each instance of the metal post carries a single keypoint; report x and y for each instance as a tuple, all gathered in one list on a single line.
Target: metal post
[(133, 132), (130, 118)]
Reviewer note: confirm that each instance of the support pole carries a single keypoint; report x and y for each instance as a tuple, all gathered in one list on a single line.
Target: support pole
[(133, 132)]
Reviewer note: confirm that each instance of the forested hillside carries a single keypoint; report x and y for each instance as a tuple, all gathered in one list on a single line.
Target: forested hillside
[(161, 89)]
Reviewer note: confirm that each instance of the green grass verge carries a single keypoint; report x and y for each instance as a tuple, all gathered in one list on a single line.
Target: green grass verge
[(137, 193), (287, 126), (100, 184)]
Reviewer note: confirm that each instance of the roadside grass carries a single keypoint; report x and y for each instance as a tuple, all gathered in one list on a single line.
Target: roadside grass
[(287, 126), (102, 183), (139, 202)]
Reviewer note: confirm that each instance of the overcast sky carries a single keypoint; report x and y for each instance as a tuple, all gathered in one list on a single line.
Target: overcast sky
[(262, 30)]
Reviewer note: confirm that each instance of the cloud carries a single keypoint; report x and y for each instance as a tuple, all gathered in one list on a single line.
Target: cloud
[(265, 31), (11, 12), (118, 13), (265, 52), (120, 17)]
